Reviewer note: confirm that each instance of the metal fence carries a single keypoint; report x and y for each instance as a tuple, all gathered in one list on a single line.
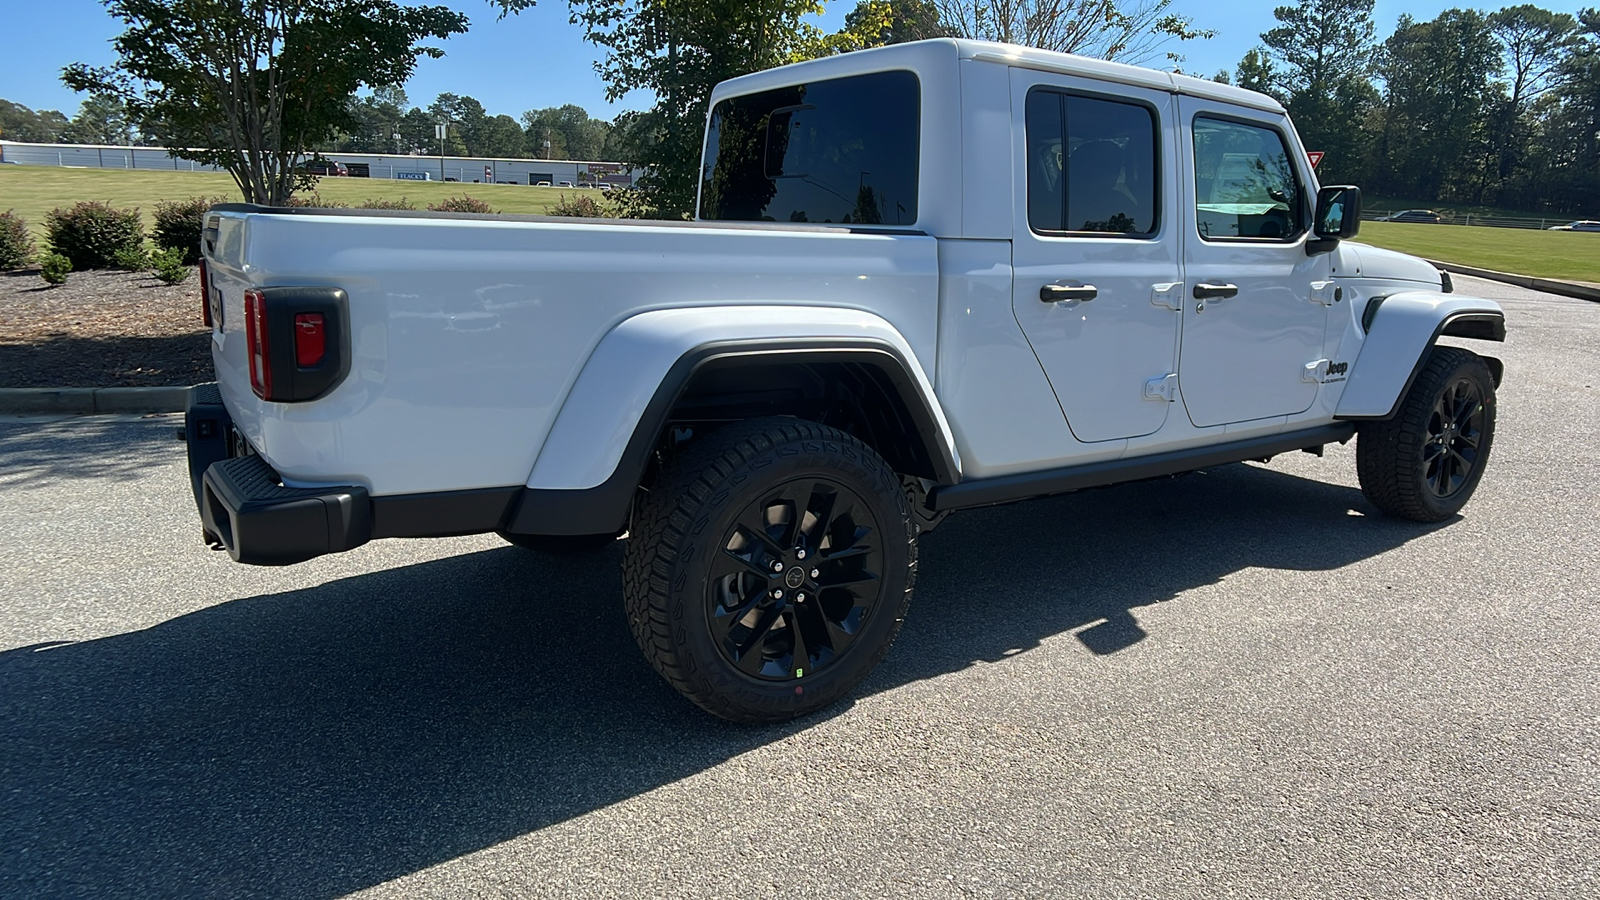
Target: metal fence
[(1529, 222), (396, 166)]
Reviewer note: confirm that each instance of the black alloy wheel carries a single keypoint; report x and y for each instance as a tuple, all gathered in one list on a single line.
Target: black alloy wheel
[(770, 568), (796, 579), (1425, 462), (1454, 436)]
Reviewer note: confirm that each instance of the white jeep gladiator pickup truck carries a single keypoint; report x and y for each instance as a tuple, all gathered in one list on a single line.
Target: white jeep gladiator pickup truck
[(922, 278)]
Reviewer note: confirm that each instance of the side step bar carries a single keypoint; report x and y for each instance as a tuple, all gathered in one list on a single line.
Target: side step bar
[(1010, 488)]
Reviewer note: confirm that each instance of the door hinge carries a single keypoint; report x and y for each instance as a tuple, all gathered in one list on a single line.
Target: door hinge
[(1325, 293), (1168, 295), (1163, 388), (1315, 371)]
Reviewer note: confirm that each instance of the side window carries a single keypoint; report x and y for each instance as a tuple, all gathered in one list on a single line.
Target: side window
[(1244, 183), (1091, 165)]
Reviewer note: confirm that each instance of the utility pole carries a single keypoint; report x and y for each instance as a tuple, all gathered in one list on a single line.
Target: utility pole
[(441, 129)]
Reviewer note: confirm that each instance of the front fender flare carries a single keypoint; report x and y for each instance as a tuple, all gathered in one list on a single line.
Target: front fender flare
[(1401, 330), (590, 464)]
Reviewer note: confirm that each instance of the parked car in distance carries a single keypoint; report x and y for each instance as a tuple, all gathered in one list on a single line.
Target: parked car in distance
[(1412, 215), (564, 184), (1580, 225), (326, 167), (543, 184)]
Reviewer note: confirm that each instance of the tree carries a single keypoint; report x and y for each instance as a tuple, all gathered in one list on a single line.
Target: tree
[(1127, 30), (570, 131), (679, 49), (466, 118), (1324, 51), (101, 119), (885, 22), (502, 137), (1535, 43), (251, 85), (19, 123), (374, 120), (1439, 80), (1255, 73)]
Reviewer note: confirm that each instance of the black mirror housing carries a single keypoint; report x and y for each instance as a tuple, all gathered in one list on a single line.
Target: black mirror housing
[(1338, 212)]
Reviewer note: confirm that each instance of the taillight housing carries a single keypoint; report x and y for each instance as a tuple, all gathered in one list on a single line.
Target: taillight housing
[(296, 341)]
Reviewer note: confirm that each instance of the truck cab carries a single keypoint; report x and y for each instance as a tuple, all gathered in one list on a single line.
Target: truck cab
[(921, 278)]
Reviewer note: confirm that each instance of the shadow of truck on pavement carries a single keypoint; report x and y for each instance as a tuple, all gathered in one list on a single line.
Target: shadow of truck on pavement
[(320, 741)]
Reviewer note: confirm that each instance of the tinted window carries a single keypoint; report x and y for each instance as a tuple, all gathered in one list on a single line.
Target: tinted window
[(1091, 165), (1245, 186), (841, 151)]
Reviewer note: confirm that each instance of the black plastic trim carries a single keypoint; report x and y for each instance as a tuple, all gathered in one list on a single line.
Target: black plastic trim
[(509, 217), (206, 426), (1010, 488), (263, 523), (443, 514), (1486, 326), (290, 382), (603, 509)]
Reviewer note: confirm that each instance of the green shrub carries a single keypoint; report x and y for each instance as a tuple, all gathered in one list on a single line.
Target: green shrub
[(132, 258), (54, 268), (580, 205), (461, 204), (373, 203), (16, 245), (179, 224), (169, 265), (314, 200), (90, 233)]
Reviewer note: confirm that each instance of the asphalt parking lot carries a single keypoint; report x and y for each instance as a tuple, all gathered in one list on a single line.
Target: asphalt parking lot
[(1238, 683)]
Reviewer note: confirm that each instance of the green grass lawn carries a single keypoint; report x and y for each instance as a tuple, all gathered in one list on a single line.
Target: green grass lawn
[(34, 190), (1543, 254)]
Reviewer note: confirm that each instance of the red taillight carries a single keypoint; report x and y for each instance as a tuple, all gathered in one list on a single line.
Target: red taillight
[(255, 338), (205, 294), (310, 339)]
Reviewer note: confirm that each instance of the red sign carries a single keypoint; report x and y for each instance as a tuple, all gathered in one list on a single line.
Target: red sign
[(1315, 156)]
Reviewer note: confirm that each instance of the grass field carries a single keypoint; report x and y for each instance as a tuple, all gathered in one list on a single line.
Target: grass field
[(34, 190), (1543, 254)]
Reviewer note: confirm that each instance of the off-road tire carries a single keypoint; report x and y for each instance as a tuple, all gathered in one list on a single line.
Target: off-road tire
[(561, 544), (1397, 459), (687, 528)]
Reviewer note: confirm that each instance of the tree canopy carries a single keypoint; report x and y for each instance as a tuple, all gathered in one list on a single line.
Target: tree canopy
[(250, 85)]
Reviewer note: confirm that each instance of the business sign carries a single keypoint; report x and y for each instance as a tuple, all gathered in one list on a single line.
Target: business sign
[(412, 176)]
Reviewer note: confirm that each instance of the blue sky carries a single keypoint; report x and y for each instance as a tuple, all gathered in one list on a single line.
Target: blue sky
[(537, 59)]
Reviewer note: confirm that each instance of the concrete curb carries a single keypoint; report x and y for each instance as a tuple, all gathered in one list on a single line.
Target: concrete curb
[(1549, 286), (89, 401)]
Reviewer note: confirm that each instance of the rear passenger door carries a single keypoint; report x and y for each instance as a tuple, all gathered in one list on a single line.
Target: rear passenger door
[(1095, 248)]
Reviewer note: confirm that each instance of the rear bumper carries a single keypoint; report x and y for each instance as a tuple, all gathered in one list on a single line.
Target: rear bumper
[(245, 510)]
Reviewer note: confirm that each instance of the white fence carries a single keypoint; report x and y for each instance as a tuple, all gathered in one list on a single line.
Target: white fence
[(1529, 222), (430, 168)]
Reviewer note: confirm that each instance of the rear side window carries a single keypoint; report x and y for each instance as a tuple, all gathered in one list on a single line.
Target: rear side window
[(1091, 165), (842, 151), (1245, 185)]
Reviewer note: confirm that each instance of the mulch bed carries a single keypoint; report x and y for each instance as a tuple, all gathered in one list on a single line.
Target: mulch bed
[(101, 329)]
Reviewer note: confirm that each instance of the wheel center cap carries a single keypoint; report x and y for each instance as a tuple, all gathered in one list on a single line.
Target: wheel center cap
[(794, 577)]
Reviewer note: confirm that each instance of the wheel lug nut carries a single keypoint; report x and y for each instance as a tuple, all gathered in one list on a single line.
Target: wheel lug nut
[(777, 566), (777, 595), (815, 573), (800, 553), (799, 598)]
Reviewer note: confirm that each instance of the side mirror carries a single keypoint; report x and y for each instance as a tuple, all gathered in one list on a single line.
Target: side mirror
[(1338, 212)]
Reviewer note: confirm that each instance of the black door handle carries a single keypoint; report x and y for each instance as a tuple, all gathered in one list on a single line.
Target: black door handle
[(1215, 291), (1055, 293)]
